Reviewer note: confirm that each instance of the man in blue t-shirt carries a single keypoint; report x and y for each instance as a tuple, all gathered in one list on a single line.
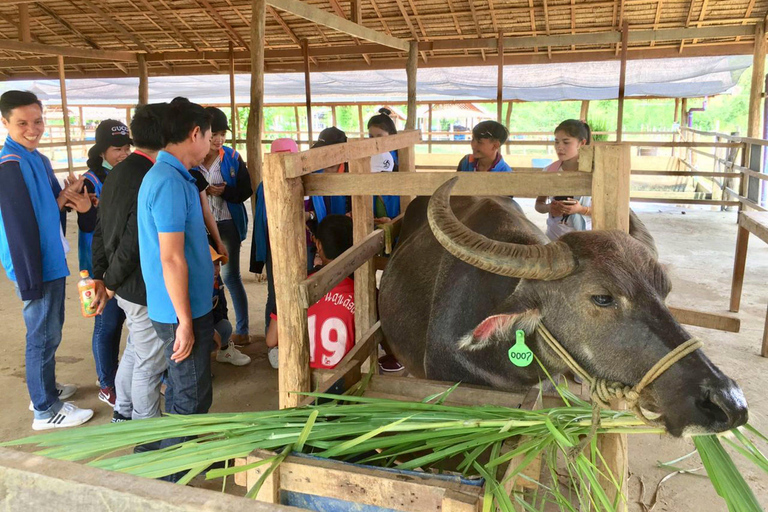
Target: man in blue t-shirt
[(175, 259), (487, 139)]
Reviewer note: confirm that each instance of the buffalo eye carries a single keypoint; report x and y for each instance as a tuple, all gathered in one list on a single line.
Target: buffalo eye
[(603, 301)]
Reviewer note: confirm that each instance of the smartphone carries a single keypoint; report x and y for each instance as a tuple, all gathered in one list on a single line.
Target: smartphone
[(570, 202)]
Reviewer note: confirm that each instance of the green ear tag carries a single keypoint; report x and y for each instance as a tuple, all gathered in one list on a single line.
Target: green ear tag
[(520, 355)]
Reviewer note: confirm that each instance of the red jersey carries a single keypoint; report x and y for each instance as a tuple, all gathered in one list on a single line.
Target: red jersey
[(331, 322)]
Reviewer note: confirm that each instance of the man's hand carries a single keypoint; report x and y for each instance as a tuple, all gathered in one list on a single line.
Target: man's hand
[(222, 249), (79, 201), (215, 190), (102, 295), (185, 340), (556, 208)]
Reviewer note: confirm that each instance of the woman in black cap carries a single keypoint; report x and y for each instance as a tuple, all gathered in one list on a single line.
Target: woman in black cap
[(113, 145), (229, 186)]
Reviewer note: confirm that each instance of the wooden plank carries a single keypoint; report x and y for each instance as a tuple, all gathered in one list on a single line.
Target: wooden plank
[(586, 158), (758, 79), (756, 223), (256, 112), (411, 71), (727, 323), (465, 394), (65, 113), (143, 80), (66, 51), (327, 19), (499, 80), (610, 187), (613, 448), (313, 288), (622, 79), (360, 485), (519, 484), (664, 200), (407, 163), (584, 113), (688, 174), (310, 161), (307, 89), (454, 501), (365, 275), (520, 184), (287, 233), (25, 35)]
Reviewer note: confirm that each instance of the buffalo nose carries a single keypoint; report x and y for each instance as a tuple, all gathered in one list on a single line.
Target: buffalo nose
[(724, 405)]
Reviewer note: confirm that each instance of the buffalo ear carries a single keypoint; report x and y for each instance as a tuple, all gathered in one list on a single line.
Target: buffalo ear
[(500, 328), (639, 232)]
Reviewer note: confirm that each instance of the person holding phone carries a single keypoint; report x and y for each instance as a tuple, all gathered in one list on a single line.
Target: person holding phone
[(567, 213)]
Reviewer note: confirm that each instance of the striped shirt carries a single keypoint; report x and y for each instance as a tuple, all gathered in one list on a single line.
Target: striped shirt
[(218, 205)]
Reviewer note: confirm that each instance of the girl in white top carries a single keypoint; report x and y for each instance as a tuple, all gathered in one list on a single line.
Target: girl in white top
[(572, 213)]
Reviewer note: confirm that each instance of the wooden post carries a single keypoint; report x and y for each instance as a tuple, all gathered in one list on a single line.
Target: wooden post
[(622, 80), (128, 116), (758, 76), (739, 264), (610, 186), (256, 114), (584, 110), (333, 115), (365, 275), (81, 117), (25, 35), (298, 126), (65, 113), (307, 89), (287, 234), (610, 210), (143, 79), (676, 120), (429, 129), (233, 122), (407, 163), (411, 72), (360, 120), (508, 121), (500, 79), (684, 124)]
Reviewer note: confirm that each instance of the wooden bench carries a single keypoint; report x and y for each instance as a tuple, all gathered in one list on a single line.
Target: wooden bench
[(757, 224)]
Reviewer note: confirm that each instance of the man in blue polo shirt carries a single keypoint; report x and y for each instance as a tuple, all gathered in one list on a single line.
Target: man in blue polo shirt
[(175, 259), (487, 139)]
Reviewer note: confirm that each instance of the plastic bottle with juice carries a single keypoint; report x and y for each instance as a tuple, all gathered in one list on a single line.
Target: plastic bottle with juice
[(86, 289)]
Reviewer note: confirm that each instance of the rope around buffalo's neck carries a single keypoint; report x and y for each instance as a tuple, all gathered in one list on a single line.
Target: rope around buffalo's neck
[(603, 391)]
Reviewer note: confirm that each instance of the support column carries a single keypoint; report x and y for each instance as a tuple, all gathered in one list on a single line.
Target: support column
[(307, 89), (429, 128), (25, 35), (622, 80), (507, 123), (500, 79), (65, 112), (298, 125), (758, 76), (143, 79), (233, 122), (584, 110), (256, 114), (360, 121), (287, 234), (411, 72)]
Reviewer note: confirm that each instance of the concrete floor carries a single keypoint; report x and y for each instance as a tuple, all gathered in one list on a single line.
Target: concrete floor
[(696, 245)]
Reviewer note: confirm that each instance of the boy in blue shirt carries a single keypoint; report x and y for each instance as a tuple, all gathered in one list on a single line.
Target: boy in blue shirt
[(487, 139), (33, 252), (175, 259)]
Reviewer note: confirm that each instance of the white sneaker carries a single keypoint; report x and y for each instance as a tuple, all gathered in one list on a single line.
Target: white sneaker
[(68, 416), (232, 356), (65, 391), (272, 356)]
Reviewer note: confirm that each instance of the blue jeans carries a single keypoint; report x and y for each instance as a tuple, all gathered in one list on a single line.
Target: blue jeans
[(107, 329), (230, 273), (44, 319), (189, 388), (224, 328), (271, 306)]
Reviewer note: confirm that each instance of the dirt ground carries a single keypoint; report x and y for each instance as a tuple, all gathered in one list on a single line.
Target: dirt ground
[(696, 245)]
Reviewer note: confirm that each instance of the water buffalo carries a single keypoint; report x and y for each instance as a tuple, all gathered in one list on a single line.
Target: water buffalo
[(459, 285)]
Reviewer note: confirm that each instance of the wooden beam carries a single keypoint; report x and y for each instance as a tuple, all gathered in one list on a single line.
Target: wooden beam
[(411, 71), (214, 13), (114, 23), (309, 161), (256, 112), (64, 23), (287, 234), (499, 79), (758, 80), (66, 51), (25, 35), (726, 323), (280, 21), (143, 80), (233, 121), (622, 79), (168, 23), (521, 184), (610, 186), (65, 113), (307, 89), (584, 110), (329, 20)]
